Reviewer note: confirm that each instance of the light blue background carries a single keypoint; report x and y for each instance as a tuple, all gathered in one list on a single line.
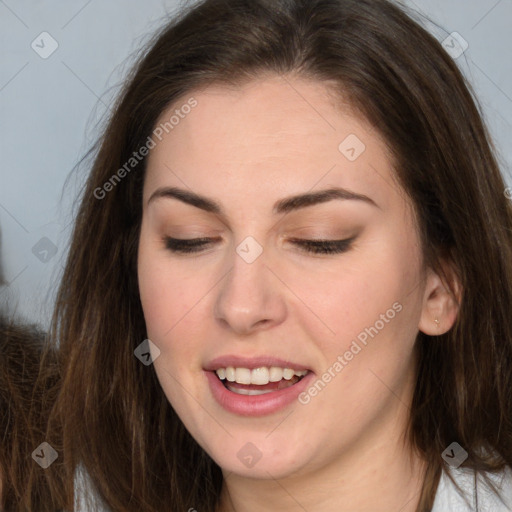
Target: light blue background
[(51, 110)]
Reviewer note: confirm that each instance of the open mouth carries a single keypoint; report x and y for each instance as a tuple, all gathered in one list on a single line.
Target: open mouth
[(259, 381)]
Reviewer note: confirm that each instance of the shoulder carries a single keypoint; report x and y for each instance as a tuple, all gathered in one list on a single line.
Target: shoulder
[(449, 498)]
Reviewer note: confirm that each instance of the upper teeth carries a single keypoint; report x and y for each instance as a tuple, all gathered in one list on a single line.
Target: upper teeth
[(258, 376)]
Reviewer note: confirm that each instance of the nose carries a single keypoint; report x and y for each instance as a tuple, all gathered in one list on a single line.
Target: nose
[(250, 297)]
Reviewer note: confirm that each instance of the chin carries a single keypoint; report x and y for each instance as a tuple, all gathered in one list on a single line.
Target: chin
[(258, 455)]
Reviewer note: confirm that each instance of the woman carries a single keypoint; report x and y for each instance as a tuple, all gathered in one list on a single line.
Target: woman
[(289, 284)]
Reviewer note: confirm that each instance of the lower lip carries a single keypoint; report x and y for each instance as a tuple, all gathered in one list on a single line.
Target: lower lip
[(255, 405)]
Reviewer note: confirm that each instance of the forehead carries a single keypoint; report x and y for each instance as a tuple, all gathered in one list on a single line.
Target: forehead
[(271, 135)]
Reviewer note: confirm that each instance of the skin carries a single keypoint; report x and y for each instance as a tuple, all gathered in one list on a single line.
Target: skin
[(247, 148)]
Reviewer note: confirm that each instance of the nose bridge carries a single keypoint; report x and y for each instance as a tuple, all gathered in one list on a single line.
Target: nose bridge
[(248, 297)]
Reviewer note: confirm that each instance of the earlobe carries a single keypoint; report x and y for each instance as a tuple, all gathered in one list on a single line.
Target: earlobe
[(440, 304)]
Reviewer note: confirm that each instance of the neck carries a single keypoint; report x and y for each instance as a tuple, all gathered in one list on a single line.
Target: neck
[(395, 485), (378, 473)]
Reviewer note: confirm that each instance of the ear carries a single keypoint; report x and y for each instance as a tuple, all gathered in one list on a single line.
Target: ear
[(439, 303)]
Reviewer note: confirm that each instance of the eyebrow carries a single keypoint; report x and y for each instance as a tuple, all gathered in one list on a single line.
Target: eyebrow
[(285, 205)]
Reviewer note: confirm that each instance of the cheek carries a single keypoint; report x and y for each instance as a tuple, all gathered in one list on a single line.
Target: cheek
[(153, 294), (364, 290), (153, 272), (158, 294), (375, 301), (170, 302)]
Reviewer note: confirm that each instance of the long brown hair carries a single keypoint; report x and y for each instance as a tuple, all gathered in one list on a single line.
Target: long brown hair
[(114, 417), (28, 388)]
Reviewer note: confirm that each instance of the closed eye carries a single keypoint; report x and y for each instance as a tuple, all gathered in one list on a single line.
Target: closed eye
[(195, 245)]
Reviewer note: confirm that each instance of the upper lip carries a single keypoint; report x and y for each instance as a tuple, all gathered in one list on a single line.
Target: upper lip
[(252, 363)]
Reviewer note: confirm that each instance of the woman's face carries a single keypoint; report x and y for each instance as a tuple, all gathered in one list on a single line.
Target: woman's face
[(252, 301)]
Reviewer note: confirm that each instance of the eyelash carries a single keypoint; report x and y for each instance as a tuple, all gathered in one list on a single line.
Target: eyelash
[(193, 245)]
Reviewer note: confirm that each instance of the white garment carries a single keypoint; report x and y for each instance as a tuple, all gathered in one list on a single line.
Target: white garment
[(448, 499), (86, 499)]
